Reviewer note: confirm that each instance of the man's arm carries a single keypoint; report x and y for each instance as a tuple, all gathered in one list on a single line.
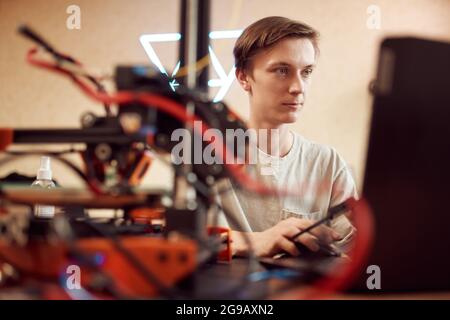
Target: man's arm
[(343, 189), (278, 239)]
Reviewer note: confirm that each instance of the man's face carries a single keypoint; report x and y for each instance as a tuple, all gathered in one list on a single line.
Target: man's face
[(277, 79)]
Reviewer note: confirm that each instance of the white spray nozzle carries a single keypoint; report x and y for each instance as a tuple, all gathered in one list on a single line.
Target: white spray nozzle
[(44, 172)]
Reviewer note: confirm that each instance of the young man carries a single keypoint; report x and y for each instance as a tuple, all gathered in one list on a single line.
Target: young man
[(274, 59)]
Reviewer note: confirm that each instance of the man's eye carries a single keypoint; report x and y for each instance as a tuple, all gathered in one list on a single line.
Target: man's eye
[(307, 72), (282, 71)]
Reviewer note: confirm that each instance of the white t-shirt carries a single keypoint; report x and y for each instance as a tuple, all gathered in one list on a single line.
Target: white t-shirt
[(316, 171)]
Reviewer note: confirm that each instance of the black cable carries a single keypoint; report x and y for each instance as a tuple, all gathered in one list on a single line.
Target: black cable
[(135, 262), (102, 89), (59, 57), (83, 259), (32, 35)]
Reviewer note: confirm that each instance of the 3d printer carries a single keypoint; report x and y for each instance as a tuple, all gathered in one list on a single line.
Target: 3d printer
[(136, 257)]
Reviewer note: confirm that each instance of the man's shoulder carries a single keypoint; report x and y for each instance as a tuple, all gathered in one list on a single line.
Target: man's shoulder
[(311, 153), (314, 150)]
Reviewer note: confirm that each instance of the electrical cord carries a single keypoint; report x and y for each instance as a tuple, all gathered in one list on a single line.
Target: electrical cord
[(166, 105), (62, 58)]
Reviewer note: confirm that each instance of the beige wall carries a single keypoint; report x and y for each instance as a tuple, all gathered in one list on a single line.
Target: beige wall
[(339, 105)]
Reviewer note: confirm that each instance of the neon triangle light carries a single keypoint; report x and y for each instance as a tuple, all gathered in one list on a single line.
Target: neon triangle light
[(223, 82)]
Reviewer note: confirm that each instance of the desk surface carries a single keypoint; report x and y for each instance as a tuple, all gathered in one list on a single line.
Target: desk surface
[(226, 281), (225, 276)]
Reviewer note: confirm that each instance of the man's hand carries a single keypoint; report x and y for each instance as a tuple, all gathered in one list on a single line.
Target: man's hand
[(277, 239)]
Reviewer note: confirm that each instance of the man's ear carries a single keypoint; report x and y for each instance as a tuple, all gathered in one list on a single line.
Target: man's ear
[(243, 79)]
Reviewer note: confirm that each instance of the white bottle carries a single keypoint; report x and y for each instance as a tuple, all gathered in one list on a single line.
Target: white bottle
[(44, 180)]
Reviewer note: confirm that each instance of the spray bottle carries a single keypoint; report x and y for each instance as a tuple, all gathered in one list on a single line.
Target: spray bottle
[(44, 180)]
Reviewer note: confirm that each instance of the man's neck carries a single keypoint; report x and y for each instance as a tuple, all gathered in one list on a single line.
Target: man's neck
[(284, 139)]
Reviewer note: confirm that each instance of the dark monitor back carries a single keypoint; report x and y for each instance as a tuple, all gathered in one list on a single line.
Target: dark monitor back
[(407, 175)]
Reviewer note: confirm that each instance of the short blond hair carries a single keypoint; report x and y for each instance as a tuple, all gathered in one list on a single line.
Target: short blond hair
[(265, 33)]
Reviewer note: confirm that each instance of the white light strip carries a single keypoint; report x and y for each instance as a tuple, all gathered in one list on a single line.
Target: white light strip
[(224, 89), (177, 67), (225, 80), (216, 64), (152, 55)]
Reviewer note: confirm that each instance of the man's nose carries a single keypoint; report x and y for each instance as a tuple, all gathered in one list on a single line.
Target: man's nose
[(297, 85)]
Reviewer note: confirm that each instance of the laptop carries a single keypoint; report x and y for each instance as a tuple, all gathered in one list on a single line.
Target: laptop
[(407, 174)]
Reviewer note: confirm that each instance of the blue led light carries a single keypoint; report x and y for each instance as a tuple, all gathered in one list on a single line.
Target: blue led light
[(99, 259)]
